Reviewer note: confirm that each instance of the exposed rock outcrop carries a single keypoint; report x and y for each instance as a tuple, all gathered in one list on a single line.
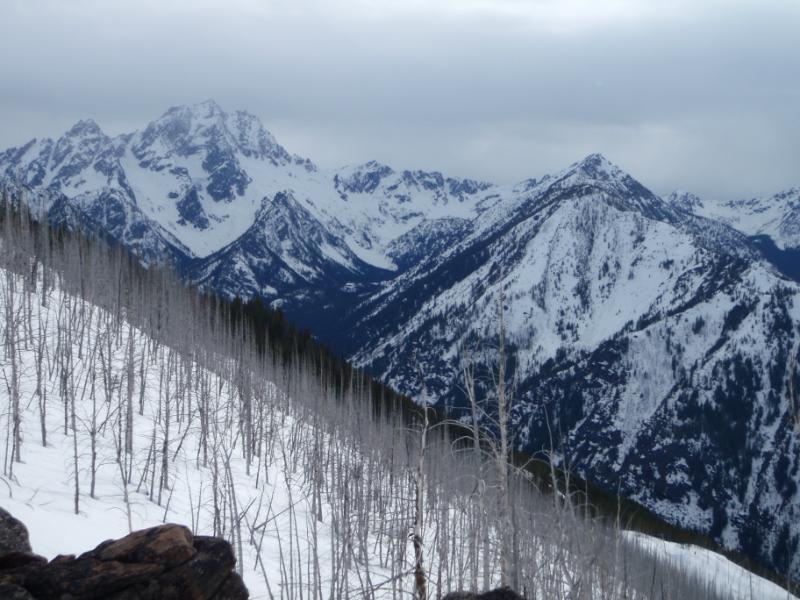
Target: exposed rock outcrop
[(13, 534), (161, 563)]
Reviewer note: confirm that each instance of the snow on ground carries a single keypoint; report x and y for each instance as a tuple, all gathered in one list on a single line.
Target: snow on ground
[(729, 579), (273, 498)]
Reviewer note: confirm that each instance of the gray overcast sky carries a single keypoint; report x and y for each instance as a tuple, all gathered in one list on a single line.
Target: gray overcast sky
[(697, 94)]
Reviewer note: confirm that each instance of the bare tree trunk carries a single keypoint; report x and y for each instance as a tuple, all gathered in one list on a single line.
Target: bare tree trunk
[(468, 373), (12, 351), (420, 577), (507, 571), (40, 347), (74, 426), (93, 436)]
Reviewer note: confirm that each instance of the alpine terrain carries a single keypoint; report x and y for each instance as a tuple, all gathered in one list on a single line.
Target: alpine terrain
[(651, 342)]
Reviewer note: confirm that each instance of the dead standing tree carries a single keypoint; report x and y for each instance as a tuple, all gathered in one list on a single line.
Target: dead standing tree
[(420, 577), (491, 429)]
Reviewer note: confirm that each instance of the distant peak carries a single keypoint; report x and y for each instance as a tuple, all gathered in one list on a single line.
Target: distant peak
[(209, 107), (598, 179), (595, 157), (201, 110), (210, 103), (791, 193), (594, 167), (684, 200), (85, 128), (595, 162), (197, 127), (374, 165), (363, 178)]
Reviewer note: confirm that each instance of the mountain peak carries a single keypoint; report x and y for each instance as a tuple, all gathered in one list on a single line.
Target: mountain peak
[(595, 157), (372, 166), (210, 105), (597, 169), (595, 164), (85, 128), (206, 127), (599, 178), (362, 178), (205, 112), (208, 109), (684, 200), (791, 194)]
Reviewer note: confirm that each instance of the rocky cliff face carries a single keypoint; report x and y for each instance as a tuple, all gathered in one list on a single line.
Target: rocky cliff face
[(161, 563)]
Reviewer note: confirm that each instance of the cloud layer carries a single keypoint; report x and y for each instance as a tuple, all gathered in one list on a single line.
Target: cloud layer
[(700, 95)]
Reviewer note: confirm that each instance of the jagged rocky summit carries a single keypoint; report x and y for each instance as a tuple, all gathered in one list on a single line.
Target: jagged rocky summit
[(161, 563)]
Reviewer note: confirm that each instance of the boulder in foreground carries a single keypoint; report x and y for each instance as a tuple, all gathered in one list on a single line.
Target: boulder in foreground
[(160, 563)]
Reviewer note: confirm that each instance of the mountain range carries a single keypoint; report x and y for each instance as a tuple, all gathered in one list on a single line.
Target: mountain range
[(651, 339)]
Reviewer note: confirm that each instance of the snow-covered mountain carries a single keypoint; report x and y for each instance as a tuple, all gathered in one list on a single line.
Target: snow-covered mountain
[(652, 338), (651, 349), (776, 216), (199, 176)]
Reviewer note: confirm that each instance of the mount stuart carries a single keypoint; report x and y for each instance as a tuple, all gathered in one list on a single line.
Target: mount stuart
[(652, 341)]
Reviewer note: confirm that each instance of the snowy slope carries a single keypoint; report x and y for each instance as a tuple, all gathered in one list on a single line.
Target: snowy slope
[(729, 579), (40, 490), (776, 216), (266, 507)]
